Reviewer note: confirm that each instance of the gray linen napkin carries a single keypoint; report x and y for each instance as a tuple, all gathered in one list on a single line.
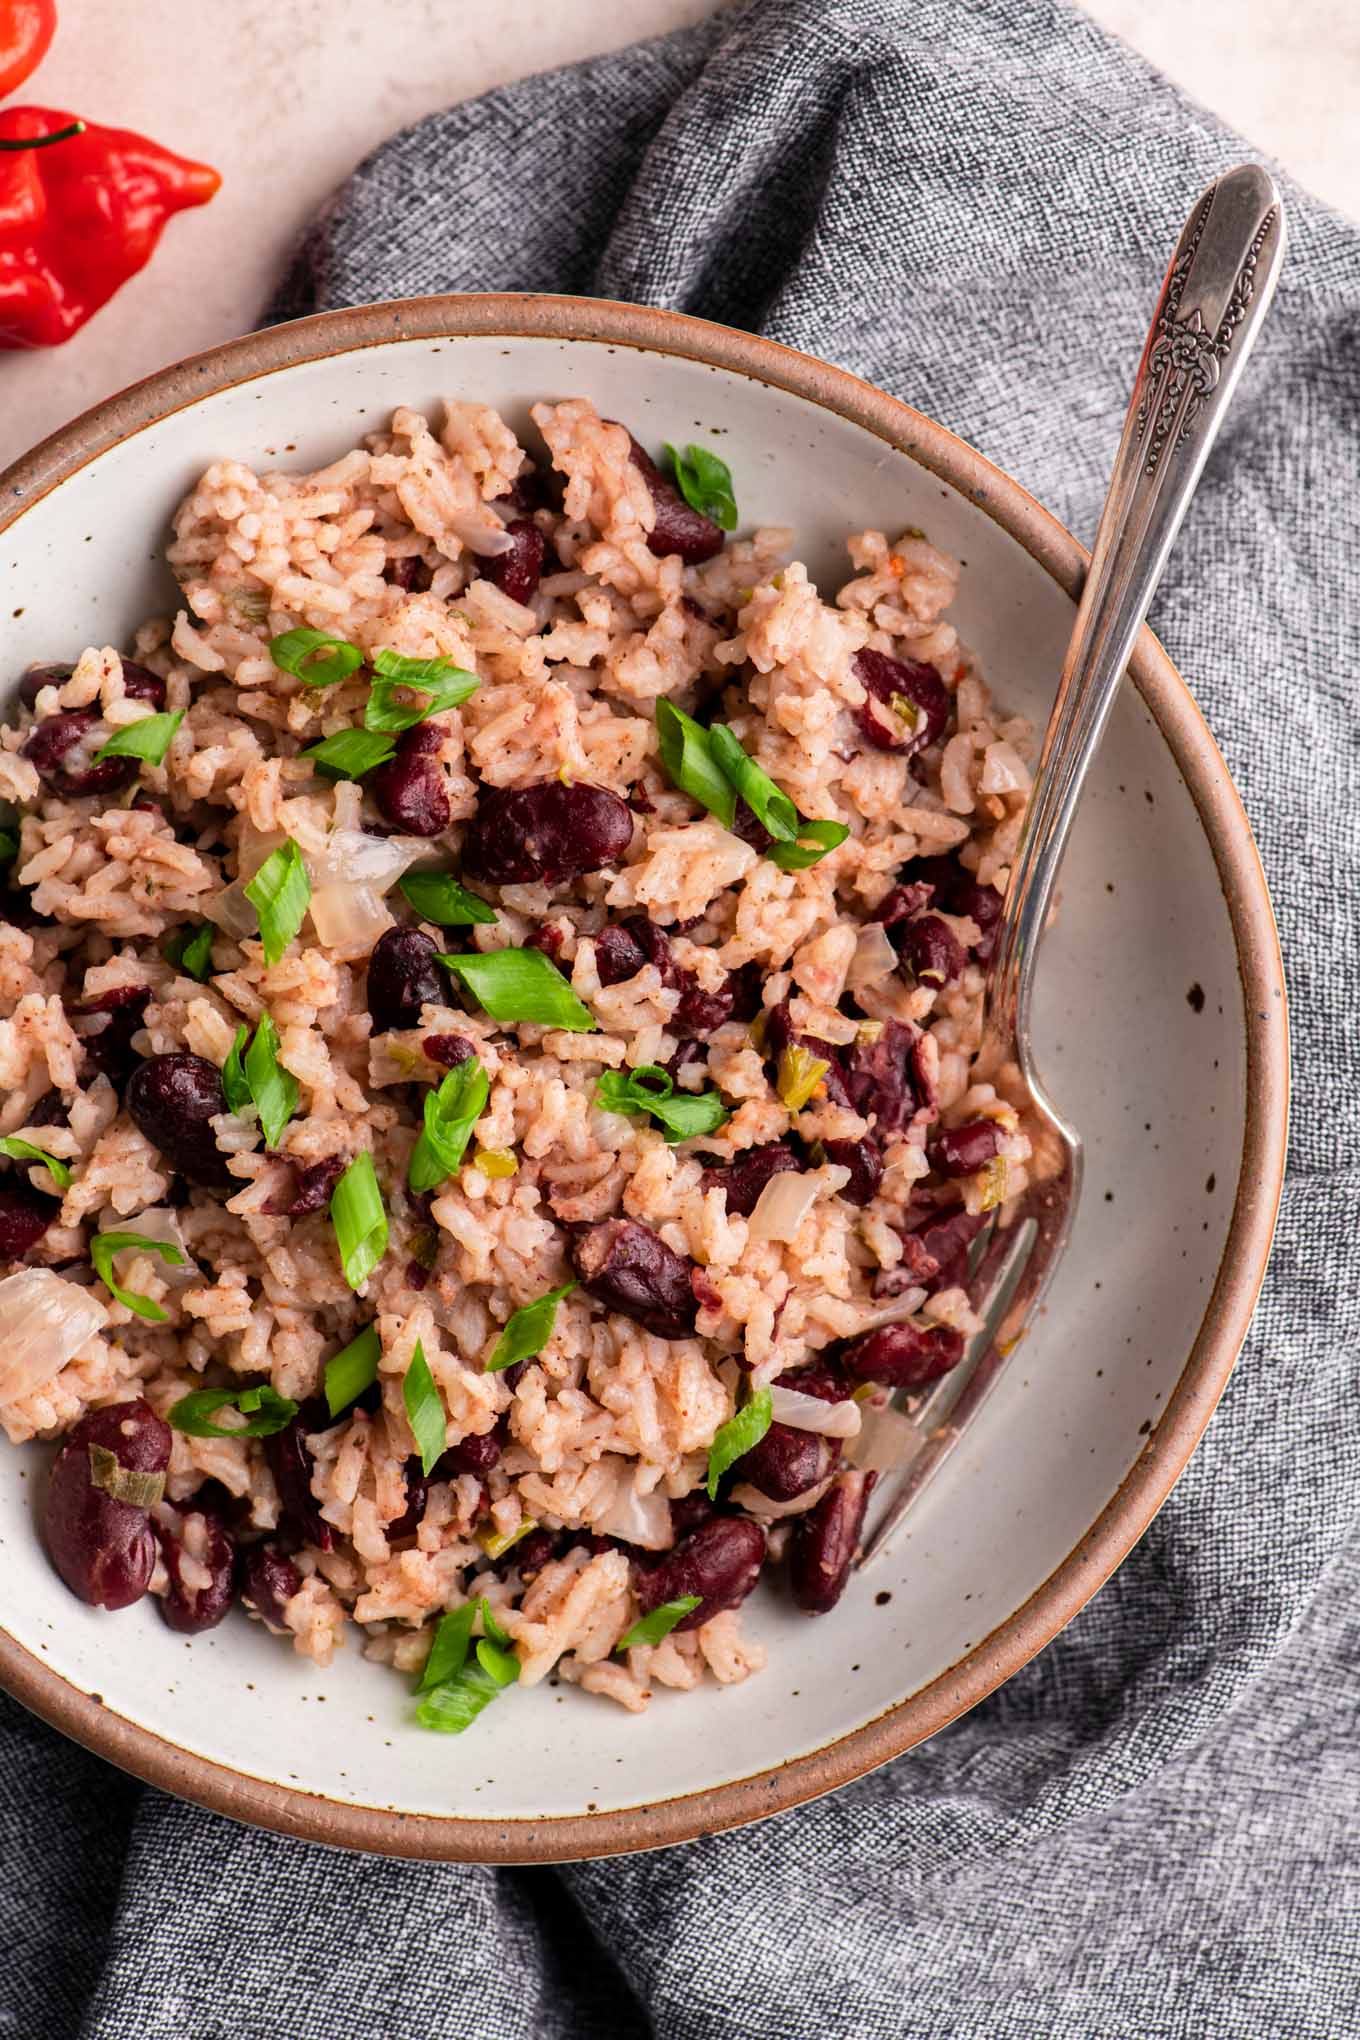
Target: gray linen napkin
[(1151, 1830)]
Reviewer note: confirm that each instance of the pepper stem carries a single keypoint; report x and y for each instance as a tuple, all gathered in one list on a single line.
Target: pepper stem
[(77, 127)]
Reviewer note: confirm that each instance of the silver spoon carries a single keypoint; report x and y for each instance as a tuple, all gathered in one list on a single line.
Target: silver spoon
[(1212, 303)]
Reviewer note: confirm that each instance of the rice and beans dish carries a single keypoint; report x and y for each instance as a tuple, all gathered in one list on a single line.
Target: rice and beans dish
[(490, 1108)]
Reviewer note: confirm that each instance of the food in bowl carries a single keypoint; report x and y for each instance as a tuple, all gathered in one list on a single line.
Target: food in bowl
[(491, 1009)]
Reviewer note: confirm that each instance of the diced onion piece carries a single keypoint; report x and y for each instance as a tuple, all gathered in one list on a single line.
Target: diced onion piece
[(759, 1505), (348, 919), (353, 857), (904, 1306), (160, 1222), (874, 957), (47, 1320), (814, 1413), (1003, 770), (783, 1204), (644, 1520), (232, 912), (887, 1441), (253, 847)]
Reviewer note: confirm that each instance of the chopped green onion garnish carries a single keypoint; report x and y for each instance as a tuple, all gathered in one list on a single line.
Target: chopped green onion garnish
[(737, 1436), (124, 1483), (349, 754), (814, 840), (768, 802), (527, 1330), (522, 985), (451, 1112), (359, 1219), (280, 892), (274, 1089), (495, 1162), (652, 1628), (682, 1114), (424, 1410), (350, 1371), (24, 1151), (105, 1245), (455, 1705), (705, 482), (453, 1640), (312, 656), (798, 1075), (442, 683), (495, 1543), (688, 758), (235, 1089), (148, 738), (437, 897), (194, 1413), (190, 950)]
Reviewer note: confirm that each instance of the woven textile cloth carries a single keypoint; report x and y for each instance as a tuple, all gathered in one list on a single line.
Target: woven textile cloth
[(1154, 1829)]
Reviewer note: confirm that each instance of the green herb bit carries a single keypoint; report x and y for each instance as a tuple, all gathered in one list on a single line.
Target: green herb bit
[(311, 656), (768, 802), (527, 1330), (353, 1369), (659, 1624), (359, 1220), (190, 950), (267, 1412), (235, 1089), (124, 1483), (495, 1543), (439, 898), (349, 754), (149, 738), (515, 985), (104, 1246), (451, 1112), (815, 839), (687, 755), (705, 482), (442, 683), (424, 1410), (737, 1436), (24, 1151), (453, 1640), (650, 1089), (274, 1089), (280, 893), (455, 1705)]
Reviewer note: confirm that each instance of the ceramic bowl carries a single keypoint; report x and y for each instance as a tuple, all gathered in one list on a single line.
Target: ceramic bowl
[(1161, 1031)]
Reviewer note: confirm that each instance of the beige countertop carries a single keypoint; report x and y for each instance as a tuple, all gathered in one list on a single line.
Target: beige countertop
[(284, 97)]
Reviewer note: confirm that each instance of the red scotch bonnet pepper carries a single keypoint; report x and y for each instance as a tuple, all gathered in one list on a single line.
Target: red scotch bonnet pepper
[(78, 216), (26, 28)]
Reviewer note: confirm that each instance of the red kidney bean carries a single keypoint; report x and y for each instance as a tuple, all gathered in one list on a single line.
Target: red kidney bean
[(140, 684), (291, 1463), (268, 1583), (787, 1462), (880, 1077), (24, 1218), (104, 1549), (629, 1268), (677, 529), (417, 1499), (533, 1552), (477, 1453), (61, 749), (410, 789), (624, 949), (746, 824), (532, 489), (402, 977), (720, 1562), (690, 1511), (36, 678), (944, 1244), (903, 1356), (780, 1035), (50, 1110), (312, 1188), (824, 1542), (931, 950), (550, 937), (410, 573), (619, 954), (706, 1292), (864, 1159), (821, 1377), (189, 1609), (109, 1047), (745, 1176), (517, 572), (545, 832), (963, 1150), (172, 1100), (448, 1050), (958, 892), (881, 678), (900, 905)]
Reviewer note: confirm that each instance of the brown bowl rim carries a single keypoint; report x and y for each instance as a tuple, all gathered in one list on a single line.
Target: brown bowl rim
[(312, 1817)]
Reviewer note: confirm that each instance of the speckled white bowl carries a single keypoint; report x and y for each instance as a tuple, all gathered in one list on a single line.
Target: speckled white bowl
[(1165, 936)]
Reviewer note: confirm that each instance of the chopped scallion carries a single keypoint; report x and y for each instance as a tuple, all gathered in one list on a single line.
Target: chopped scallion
[(514, 985), (527, 1330), (650, 1089), (659, 1624), (105, 1245), (688, 758), (149, 737), (705, 482), (768, 802), (450, 1114), (442, 683), (815, 839), (267, 1412), (312, 656), (349, 754), (424, 1410), (353, 1369), (24, 1151), (190, 950), (280, 893), (439, 898), (359, 1219), (737, 1436)]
